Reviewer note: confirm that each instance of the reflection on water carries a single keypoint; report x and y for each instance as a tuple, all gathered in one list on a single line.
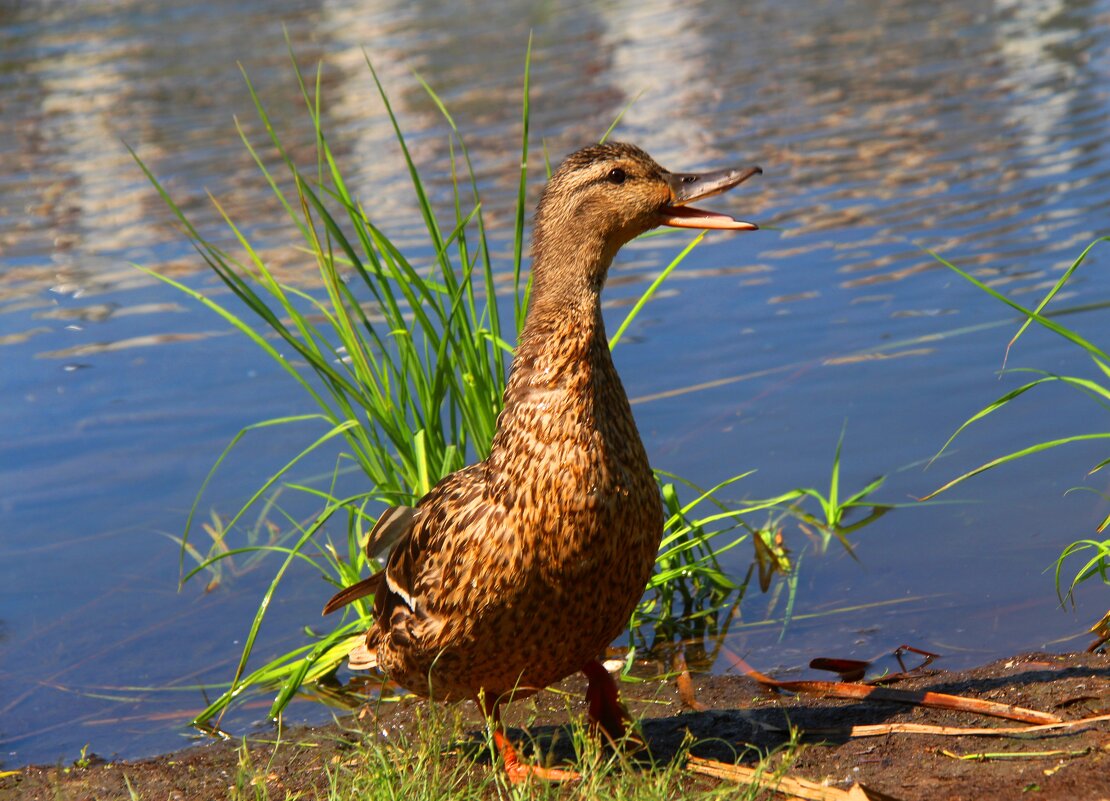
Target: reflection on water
[(979, 130)]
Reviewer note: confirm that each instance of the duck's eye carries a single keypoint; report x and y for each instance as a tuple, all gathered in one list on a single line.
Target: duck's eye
[(616, 176)]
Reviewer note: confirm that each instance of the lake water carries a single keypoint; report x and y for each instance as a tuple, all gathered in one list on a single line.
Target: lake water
[(980, 130)]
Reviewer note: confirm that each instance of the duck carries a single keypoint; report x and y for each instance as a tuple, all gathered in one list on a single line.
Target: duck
[(519, 570)]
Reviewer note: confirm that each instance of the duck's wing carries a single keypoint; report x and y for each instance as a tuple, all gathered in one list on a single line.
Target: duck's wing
[(429, 574), (431, 547), (393, 525)]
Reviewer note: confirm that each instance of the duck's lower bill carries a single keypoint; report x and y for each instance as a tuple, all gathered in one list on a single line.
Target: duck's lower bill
[(689, 217)]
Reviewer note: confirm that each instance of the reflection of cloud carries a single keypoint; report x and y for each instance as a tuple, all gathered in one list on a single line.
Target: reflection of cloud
[(93, 348), (355, 118), (20, 337), (892, 275), (662, 50), (877, 356), (99, 312), (1038, 42), (811, 294)]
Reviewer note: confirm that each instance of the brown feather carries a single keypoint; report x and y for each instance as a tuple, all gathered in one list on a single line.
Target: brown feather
[(393, 524), (362, 658), (361, 589)]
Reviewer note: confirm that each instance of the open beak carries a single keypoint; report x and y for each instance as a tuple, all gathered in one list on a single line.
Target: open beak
[(687, 187)]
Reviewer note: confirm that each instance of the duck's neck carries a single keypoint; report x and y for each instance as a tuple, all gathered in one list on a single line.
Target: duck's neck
[(562, 373), (570, 260), (562, 350)]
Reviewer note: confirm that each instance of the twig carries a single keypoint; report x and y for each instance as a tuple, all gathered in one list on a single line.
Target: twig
[(1013, 755), (878, 729), (795, 788), (861, 692)]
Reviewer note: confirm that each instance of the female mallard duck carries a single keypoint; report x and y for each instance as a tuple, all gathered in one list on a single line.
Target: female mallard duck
[(515, 572)]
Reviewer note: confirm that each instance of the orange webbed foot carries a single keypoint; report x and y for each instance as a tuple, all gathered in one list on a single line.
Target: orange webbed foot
[(516, 769), (519, 771)]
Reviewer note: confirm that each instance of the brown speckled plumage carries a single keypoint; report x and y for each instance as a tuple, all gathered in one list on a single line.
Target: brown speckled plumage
[(519, 570)]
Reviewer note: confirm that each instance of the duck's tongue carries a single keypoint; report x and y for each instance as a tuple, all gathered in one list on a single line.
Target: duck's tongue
[(688, 187)]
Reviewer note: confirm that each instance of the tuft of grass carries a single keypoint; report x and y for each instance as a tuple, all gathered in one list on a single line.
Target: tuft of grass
[(405, 359), (434, 760), (1096, 389), (132, 793)]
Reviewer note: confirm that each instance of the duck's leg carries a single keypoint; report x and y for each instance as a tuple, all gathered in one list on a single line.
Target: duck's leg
[(607, 713), (516, 769)]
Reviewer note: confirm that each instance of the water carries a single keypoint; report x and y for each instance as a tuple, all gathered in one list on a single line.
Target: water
[(978, 129)]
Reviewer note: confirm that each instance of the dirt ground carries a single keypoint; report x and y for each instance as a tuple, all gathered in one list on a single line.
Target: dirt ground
[(1069, 764)]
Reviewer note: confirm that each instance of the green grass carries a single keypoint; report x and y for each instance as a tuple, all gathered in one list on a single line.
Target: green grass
[(1093, 555), (441, 760), (404, 360)]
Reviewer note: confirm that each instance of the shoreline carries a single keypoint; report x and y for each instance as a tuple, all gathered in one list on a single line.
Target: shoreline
[(734, 711)]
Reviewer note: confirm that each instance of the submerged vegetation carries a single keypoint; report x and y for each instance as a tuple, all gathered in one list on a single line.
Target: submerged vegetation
[(1096, 552), (405, 360)]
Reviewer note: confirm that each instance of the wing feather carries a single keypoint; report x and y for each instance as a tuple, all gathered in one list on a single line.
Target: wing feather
[(394, 524), (368, 586)]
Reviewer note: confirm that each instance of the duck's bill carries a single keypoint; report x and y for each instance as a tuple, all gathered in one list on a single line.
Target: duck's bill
[(688, 187)]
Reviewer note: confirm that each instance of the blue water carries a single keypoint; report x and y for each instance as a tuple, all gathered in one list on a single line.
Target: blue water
[(979, 130)]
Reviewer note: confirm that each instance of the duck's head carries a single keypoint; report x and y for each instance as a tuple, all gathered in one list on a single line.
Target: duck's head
[(603, 196)]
